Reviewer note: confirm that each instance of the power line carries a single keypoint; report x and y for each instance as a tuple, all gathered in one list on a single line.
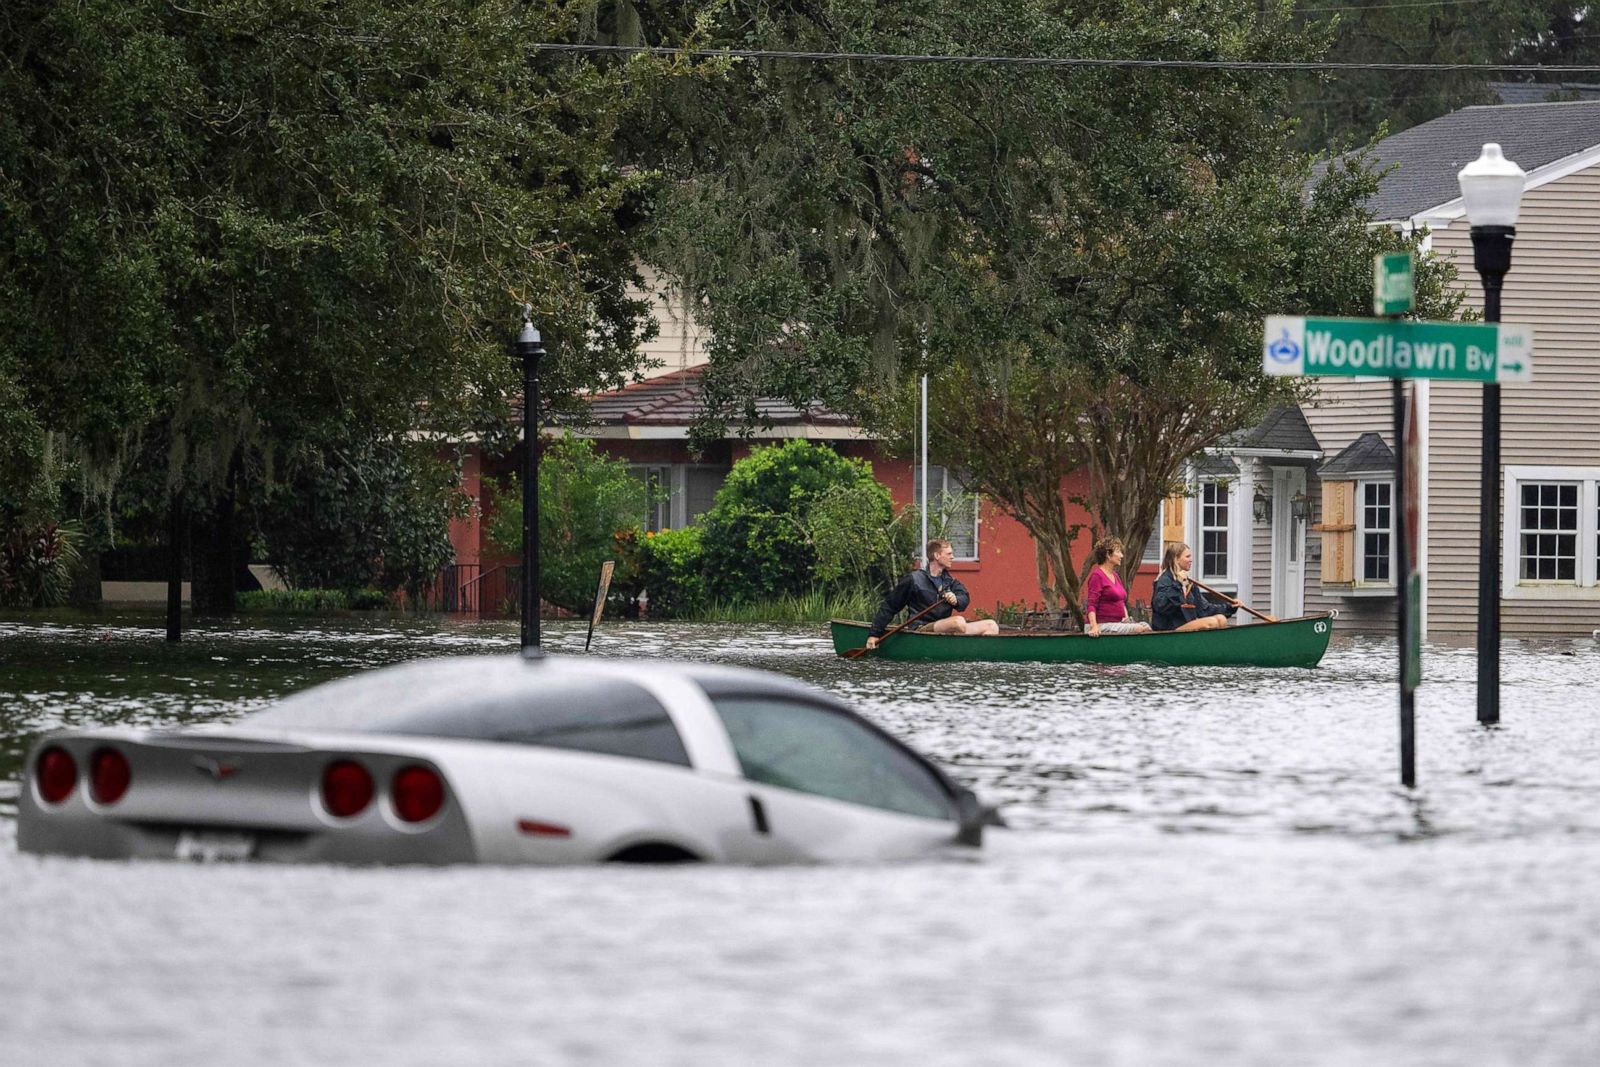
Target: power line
[(1047, 61), (1389, 7)]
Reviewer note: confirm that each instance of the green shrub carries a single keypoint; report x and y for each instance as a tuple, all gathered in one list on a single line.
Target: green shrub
[(369, 600), (671, 569), (362, 513), (757, 542), (311, 601), (589, 509), (36, 566), (294, 601), (856, 536), (815, 605)]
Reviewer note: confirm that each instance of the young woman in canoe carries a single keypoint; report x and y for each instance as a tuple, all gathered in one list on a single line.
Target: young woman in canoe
[(1178, 603), (1105, 599)]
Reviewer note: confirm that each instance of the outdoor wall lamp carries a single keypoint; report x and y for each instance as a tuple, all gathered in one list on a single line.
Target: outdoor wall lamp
[(1261, 508), (1300, 506), (1491, 195)]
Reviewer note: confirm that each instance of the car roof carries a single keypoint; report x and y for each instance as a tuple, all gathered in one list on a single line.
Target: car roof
[(362, 700)]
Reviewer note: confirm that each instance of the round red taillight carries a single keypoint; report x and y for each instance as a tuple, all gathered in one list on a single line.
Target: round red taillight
[(55, 773), (109, 775), (418, 794), (346, 788)]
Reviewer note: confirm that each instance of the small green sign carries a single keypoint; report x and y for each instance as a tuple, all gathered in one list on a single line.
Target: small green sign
[(1411, 654), (1393, 288), (1393, 348)]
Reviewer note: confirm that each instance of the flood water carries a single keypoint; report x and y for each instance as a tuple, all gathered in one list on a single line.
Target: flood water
[(1204, 866)]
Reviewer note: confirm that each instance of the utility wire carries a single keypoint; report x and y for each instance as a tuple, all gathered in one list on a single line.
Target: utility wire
[(1389, 7), (1044, 61)]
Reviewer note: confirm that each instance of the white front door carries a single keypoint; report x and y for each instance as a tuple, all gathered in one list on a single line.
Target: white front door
[(1288, 544)]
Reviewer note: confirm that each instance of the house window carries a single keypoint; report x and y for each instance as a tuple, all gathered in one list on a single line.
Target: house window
[(1376, 532), (658, 496), (1547, 531), (1153, 547), (1551, 533), (1214, 508), (952, 512)]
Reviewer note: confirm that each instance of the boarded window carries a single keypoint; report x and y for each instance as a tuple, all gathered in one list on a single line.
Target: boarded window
[(1338, 533), (1172, 521)]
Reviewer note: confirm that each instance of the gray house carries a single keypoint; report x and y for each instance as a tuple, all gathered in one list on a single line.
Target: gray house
[(1297, 514), (1550, 536)]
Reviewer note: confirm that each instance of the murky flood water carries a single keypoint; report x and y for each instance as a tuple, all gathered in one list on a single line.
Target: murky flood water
[(1205, 866)]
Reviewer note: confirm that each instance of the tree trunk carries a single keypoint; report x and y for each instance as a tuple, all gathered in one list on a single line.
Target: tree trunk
[(220, 553), (85, 591)]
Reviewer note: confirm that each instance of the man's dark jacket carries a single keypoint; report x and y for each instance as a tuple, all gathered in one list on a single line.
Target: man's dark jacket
[(1170, 609), (916, 591)]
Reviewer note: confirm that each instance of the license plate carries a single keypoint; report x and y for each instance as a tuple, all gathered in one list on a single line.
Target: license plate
[(214, 846)]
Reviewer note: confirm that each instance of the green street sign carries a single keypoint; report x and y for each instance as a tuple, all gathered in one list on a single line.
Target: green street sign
[(1392, 285), (1384, 348)]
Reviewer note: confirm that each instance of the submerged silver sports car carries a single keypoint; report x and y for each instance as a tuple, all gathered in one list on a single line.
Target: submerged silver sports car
[(505, 760)]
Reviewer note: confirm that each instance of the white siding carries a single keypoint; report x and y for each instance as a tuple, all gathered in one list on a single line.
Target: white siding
[(680, 343)]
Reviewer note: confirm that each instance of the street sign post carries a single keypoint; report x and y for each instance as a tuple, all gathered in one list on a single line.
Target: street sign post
[(1411, 459), (1392, 284), (1488, 352), (1384, 348)]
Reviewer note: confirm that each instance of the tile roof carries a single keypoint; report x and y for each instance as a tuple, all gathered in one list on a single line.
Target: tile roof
[(1283, 428), (1367, 454), (678, 398), (1426, 158)]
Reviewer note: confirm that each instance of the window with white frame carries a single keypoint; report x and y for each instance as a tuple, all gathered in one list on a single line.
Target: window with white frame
[(1551, 532), (1215, 510), (1547, 531), (952, 512), (1375, 519)]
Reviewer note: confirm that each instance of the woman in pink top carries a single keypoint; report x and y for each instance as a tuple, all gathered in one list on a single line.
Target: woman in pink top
[(1105, 600)]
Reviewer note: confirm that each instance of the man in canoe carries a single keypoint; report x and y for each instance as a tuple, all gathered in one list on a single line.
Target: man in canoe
[(924, 587), (1178, 603)]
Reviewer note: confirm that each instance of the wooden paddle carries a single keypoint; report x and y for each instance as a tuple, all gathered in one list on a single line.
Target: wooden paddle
[(1231, 600), (855, 653)]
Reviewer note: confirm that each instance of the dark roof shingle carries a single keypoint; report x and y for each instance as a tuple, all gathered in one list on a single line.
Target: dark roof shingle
[(1367, 454), (1283, 428), (1427, 158)]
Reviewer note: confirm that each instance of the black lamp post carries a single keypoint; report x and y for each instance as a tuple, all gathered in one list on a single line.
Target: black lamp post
[(530, 348), (1491, 193)]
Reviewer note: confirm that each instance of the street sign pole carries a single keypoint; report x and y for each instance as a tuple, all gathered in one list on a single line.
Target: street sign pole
[(1407, 587), (1492, 352)]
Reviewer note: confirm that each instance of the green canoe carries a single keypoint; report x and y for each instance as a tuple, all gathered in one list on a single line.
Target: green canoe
[(1288, 643)]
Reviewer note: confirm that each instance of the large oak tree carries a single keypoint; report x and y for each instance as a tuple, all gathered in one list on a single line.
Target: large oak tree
[(235, 233), (1080, 257)]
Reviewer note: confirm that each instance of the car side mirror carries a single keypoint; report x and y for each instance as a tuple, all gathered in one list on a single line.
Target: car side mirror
[(972, 815)]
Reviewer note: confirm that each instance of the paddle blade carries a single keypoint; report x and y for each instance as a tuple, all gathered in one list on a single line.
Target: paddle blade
[(857, 653)]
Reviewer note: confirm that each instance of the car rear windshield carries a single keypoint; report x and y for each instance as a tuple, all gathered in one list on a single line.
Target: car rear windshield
[(604, 715)]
